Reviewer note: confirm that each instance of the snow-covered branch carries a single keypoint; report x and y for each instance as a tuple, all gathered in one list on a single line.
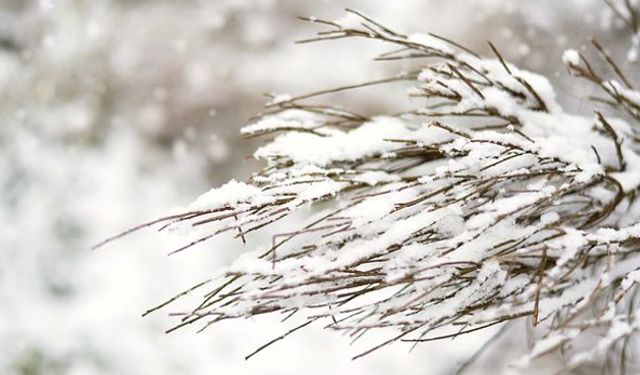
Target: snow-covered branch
[(485, 203)]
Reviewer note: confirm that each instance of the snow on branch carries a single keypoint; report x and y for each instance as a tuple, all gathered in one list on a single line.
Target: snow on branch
[(488, 202)]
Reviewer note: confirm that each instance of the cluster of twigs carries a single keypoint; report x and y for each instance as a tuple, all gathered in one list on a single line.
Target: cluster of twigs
[(485, 204)]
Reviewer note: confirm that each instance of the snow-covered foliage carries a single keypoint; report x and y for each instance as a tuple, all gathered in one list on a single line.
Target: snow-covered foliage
[(485, 203), (112, 111)]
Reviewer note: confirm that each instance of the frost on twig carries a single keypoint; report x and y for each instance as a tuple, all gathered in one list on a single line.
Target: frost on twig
[(486, 203)]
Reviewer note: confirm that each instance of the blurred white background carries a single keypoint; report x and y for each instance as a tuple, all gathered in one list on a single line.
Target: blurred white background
[(115, 112)]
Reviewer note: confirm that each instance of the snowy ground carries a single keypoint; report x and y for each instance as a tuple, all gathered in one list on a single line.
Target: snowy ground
[(115, 112)]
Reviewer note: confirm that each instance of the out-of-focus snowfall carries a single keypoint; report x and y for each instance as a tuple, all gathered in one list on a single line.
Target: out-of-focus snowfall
[(115, 112)]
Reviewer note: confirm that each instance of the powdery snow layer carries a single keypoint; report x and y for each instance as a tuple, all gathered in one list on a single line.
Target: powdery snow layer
[(420, 222)]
